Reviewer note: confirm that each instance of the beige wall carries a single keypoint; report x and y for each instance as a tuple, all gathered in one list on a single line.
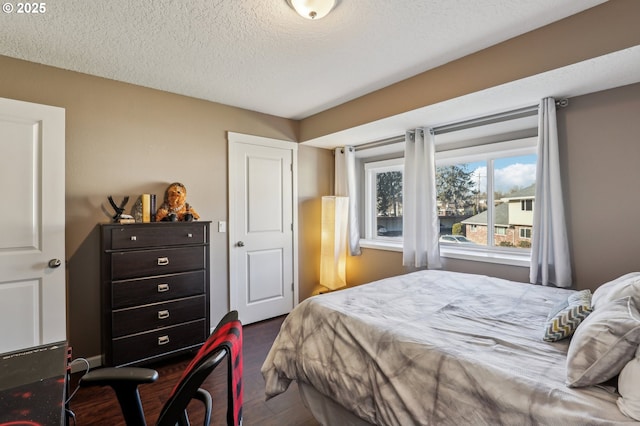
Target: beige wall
[(122, 140), (376, 264), (600, 156), (600, 137), (315, 176)]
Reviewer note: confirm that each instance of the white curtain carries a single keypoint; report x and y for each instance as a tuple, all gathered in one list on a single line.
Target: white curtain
[(346, 186), (550, 259), (420, 226)]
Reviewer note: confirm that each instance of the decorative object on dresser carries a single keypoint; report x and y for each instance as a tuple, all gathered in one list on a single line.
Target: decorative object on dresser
[(155, 290), (119, 216), (144, 209), (175, 207)]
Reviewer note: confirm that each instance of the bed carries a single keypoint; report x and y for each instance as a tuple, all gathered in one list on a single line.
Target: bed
[(444, 348)]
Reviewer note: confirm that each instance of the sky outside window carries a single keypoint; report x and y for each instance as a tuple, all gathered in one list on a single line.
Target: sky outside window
[(509, 172)]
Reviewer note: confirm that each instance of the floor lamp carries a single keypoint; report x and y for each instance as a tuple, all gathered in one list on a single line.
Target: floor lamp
[(333, 244)]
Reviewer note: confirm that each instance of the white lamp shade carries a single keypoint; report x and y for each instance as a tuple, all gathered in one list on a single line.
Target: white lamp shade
[(333, 244), (313, 9)]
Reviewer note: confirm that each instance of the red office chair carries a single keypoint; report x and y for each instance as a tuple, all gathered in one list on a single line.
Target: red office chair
[(226, 339)]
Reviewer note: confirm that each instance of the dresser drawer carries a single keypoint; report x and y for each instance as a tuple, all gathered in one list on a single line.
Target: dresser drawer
[(132, 264), (130, 237), (161, 288), (157, 315), (143, 346)]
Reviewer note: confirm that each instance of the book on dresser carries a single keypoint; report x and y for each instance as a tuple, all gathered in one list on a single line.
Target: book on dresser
[(155, 290)]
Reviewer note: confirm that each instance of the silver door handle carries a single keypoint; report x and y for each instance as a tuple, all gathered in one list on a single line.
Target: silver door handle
[(54, 263), (163, 314), (162, 261), (240, 244)]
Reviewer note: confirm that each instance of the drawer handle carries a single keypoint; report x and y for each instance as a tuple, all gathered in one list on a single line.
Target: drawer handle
[(163, 287), (163, 340), (163, 314), (134, 238), (189, 235), (162, 261)]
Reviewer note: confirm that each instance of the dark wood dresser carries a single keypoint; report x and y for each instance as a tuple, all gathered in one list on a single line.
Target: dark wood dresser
[(155, 290)]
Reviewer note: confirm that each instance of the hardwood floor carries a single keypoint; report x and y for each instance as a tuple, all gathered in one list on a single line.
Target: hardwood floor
[(98, 406)]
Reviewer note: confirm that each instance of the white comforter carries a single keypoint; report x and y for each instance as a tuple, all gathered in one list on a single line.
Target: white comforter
[(434, 348)]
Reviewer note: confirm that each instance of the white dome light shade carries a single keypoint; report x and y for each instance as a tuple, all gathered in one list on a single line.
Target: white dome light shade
[(312, 9)]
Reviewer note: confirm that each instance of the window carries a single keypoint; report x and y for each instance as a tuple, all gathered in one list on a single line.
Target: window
[(488, 187), (383, 199), (478, 188), (526, 205)]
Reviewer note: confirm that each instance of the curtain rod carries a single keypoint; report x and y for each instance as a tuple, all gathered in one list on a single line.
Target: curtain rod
[(468, 124)]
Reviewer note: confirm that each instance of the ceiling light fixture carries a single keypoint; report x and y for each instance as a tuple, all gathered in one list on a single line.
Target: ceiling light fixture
[(312, 9)]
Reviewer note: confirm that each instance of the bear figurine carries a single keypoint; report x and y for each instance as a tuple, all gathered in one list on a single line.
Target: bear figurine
[(174, 207)]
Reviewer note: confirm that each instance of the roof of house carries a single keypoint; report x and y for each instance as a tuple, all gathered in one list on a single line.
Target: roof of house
[(528, 192), (501, 216)]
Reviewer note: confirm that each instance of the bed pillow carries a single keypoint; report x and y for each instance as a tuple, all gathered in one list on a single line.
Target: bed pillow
[(565, 317), (626, 285), (629, 400), (605, 341)]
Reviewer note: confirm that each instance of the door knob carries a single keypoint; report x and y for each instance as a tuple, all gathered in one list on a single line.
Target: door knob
[(240, 244), (54, 263)]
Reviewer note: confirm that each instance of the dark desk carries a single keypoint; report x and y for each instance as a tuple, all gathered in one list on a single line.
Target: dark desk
[(32, 386)]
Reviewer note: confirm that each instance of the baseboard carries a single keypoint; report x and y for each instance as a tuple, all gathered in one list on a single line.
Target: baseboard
[(79, 365)]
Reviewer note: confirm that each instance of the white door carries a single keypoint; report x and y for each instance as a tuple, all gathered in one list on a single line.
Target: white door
[(32, 266), (262, 219)]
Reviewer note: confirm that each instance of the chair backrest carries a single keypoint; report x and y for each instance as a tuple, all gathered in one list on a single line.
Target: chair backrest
[(225, 340)]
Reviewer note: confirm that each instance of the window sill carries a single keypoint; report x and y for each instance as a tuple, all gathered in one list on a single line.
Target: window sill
[(382, 245), (488, 256), (452, 252)]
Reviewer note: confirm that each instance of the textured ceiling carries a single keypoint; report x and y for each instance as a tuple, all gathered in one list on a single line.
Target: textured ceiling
[(260, 55)]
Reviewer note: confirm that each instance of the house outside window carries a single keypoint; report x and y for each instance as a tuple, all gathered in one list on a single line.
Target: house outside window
[(509, 218), (478, 188)]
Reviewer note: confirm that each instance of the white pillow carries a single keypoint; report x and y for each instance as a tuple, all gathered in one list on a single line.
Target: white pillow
[(628, 380), (626, 285), (603, 343)]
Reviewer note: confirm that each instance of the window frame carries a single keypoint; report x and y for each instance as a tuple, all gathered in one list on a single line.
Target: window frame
[(487, 152), (370, 210)]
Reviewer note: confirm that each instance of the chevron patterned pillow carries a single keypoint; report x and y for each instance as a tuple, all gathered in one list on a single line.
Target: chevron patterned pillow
[(567, 316)]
